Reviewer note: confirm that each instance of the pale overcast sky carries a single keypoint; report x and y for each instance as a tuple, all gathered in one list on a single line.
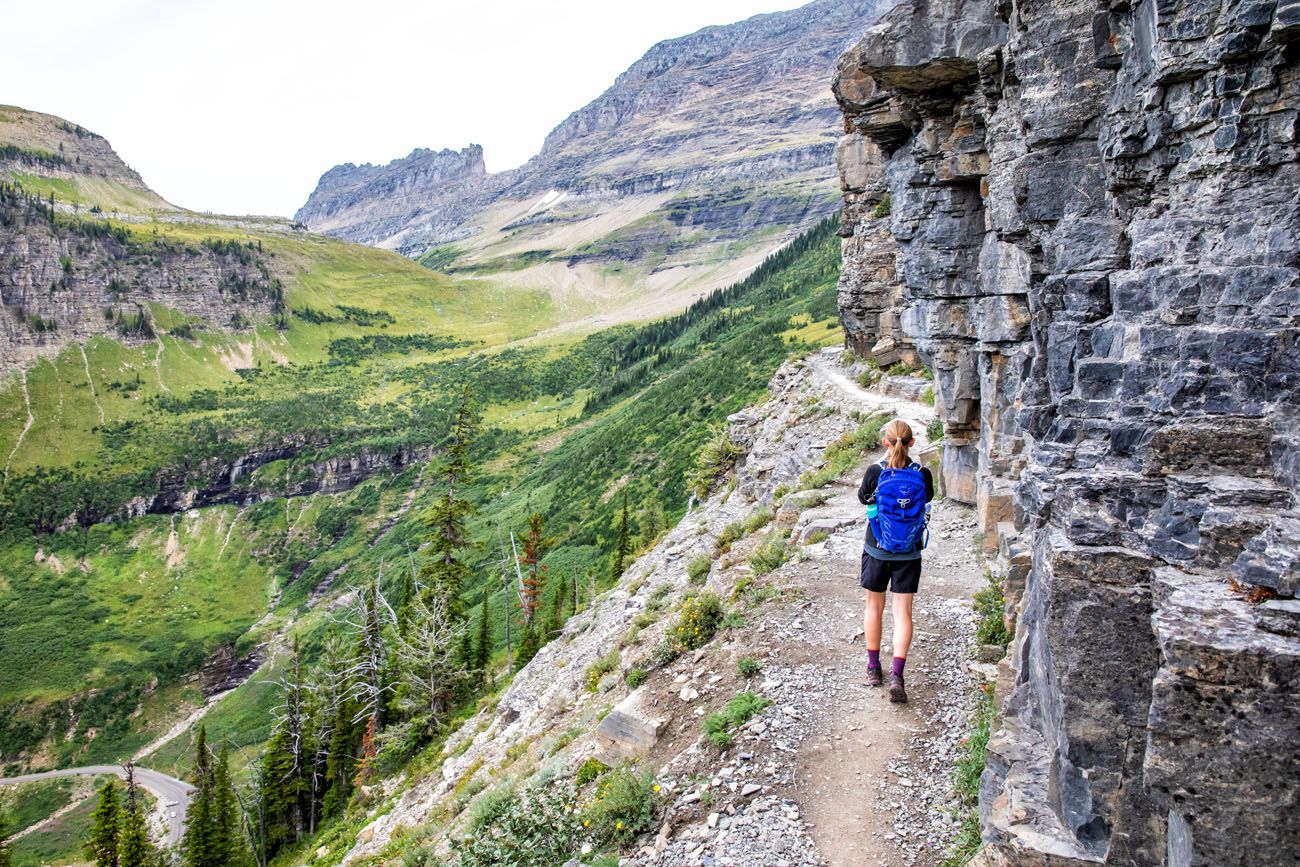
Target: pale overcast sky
[(238, 106)]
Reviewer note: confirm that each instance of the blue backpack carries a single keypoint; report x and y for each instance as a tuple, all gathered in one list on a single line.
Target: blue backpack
[(901, 513)]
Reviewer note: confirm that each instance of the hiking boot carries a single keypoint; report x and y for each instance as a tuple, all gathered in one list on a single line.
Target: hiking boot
[(874, 676), (897, 692)]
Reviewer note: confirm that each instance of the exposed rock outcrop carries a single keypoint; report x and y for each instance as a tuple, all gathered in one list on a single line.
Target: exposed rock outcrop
[(1084, 217), (370, 204), (219, 481), (67, 275), (42, 144), (65, 281)]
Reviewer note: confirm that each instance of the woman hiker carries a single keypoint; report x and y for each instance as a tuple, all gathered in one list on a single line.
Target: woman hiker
[(896, 492)]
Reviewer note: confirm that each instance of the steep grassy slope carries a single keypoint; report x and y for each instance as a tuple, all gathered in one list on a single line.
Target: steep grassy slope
[(645, 440), (367, 361)]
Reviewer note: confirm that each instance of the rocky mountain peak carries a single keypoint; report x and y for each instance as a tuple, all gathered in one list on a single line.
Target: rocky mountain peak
[(372, 203)]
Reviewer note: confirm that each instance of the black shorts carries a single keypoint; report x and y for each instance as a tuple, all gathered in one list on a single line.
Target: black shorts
[(900, 576)]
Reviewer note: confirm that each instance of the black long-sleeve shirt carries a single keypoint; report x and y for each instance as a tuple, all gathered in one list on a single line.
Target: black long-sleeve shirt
[(867, 490)]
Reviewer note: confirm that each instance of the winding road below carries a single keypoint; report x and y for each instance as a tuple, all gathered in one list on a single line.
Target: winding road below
[(173, 795)]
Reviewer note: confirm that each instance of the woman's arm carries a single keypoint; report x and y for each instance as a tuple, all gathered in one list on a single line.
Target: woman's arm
[(929, 483), (867, 489)]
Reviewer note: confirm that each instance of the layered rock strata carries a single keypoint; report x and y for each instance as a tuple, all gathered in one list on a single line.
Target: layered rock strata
[(64, 281), (1084, 217)]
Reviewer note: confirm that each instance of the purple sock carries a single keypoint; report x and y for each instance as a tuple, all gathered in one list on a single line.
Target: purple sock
[(899, 662), (873, 658)]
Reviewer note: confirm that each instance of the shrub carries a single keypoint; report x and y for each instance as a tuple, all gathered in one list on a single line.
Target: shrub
[(729, 534), (812, 499), (758, 520), (601, 667), (622, 807), (934, 430), (665, 652), (719, 725), (492, 806), (898, 368), (698, 622), (698, 569), (747, 666), (538, 828), (769, 555), (846, 451), (927, 396), (882, 207), (817, 536), (990, 607), (589, 770), (715, 460), (636, 677)]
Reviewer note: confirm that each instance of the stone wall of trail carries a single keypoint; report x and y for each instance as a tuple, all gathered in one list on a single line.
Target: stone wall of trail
[(1083, 216)]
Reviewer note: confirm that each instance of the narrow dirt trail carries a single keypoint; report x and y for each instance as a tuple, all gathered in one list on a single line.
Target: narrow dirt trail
[(871, 777), (157, 367), (31, 419), (94, 395), (838, 775)]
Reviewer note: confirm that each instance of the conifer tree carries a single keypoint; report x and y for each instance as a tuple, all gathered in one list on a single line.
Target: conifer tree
[(196, 846), (5, 857), (371, 673), (226, 846), (555, 614), (527, 648), (445, 571), (653, 522), (101, 845), (534, 573), (279, 805), (408, 596), (134, 849), (483, 650), (624, 544), (428, 660), (338, 764)]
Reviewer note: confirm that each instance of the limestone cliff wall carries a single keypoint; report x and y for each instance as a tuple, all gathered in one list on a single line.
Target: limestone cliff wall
[(65, 280), (1085, 217)]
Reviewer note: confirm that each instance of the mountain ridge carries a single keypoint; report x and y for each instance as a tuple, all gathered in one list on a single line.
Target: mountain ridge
[(597, 212)]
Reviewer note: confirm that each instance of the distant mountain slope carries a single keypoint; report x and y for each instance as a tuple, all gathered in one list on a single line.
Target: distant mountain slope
[(707, 153), (78, 261), (36, 144)]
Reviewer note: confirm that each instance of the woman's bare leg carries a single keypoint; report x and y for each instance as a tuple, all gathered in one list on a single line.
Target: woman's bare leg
[(871, 619), (902, 623)]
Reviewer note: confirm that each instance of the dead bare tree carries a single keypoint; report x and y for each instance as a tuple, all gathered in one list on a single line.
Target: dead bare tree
[(368, 682), (427, 658)]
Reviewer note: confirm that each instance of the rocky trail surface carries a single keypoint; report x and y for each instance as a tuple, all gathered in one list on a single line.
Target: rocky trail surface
[(833, 773)]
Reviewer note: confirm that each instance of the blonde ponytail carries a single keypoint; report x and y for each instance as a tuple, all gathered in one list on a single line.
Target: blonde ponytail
[(898, 438)]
